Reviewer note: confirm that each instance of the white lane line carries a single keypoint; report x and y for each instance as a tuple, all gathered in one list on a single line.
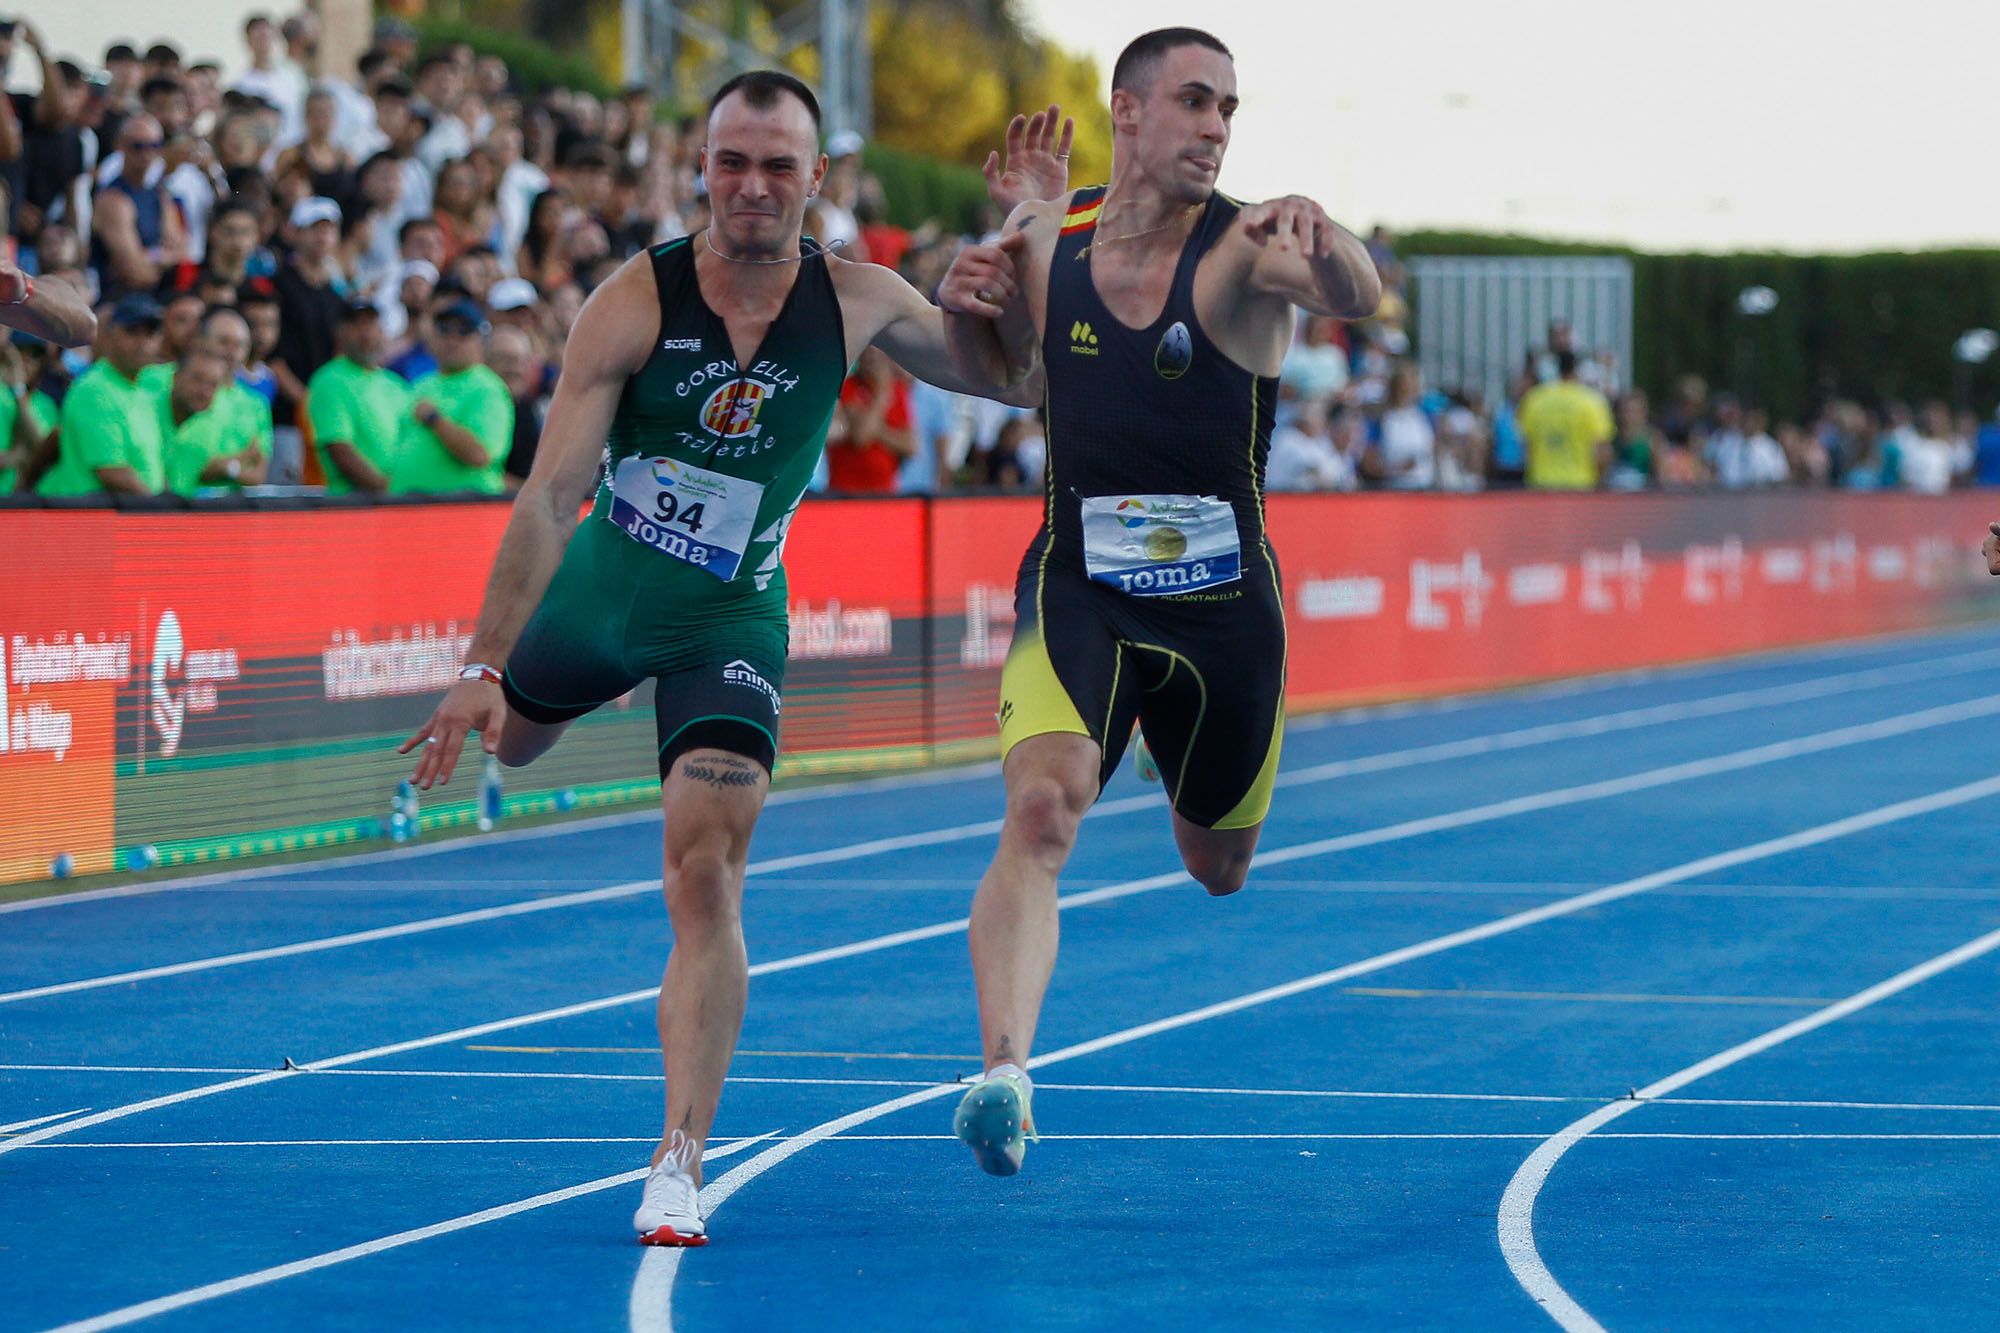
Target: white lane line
[(717, 1192), (348, 940), (131, 1314), (1630, 719), (789, 796), (41, 1120), (1366, 713), (1517, 1204), (1651, 778), (1754, 1103), (1630, 677), (1633, 719), (1220, 1136)]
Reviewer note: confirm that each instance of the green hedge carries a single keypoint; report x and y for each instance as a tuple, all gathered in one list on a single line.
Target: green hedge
[(1873, 327), (920, 188), (536, 66)]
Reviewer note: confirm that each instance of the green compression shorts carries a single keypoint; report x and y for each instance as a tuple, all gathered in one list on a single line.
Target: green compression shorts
[(617, 614)]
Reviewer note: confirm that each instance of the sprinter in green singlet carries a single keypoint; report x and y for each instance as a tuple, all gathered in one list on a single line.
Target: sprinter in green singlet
[(1157, 311), (697, 385)]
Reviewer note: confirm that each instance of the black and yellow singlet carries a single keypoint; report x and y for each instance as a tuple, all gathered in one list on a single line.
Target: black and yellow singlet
[(675, 574), (1151, 593)]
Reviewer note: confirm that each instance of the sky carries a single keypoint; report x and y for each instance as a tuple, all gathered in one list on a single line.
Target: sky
[(1696, 124), (1689, 124)]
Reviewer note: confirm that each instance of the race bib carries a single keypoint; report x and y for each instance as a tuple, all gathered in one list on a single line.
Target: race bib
[(1160, 545), (686, 512)]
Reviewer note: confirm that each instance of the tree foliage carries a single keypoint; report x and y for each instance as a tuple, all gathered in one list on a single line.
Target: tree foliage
[(947, 77)]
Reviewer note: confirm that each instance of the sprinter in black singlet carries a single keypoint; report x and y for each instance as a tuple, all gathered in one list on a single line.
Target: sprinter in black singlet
[(1158, 311), (695, 395)]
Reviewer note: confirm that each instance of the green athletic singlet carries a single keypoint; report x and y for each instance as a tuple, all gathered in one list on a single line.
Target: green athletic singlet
[(675, 574)]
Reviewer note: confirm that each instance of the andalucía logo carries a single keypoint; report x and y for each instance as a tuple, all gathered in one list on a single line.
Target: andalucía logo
[(1132, 513), (666, 471), (731, 411)]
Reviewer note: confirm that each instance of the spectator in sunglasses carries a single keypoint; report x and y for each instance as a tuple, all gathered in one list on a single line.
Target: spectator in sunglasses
[(136, 234)]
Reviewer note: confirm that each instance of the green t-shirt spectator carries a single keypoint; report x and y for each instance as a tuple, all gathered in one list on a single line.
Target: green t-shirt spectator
[(476, 399), (41, 408), (195, 443), (107, 421), (236, 419), (252, 411), (366, 408)]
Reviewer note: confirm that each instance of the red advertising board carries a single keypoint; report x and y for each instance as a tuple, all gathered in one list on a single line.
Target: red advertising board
[(141, 651)]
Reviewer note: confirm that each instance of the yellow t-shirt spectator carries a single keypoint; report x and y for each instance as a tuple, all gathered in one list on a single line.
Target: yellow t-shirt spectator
[(1566, 425)]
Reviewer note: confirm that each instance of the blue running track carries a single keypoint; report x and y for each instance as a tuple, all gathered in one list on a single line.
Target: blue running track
[(1662, 1001)]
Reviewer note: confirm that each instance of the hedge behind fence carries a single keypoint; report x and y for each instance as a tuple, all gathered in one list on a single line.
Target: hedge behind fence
[(1874, 327)]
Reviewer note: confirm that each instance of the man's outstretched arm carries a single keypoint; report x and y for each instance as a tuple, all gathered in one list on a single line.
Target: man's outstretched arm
[(611, 340), (1309, 259), (47, 307), (918, 336)]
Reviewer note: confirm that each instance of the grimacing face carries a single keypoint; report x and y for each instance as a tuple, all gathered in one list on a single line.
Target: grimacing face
[(761, 166), (1178, 125)]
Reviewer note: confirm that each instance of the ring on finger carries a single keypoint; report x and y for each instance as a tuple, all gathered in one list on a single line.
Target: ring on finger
[(430, 740)]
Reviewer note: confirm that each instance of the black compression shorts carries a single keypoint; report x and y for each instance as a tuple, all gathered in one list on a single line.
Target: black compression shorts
[(1204, 677)]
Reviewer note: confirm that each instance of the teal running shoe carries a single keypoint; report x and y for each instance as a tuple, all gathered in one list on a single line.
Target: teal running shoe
[(996, 1121)]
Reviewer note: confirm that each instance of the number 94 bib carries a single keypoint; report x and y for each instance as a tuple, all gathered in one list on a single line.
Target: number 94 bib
[(1160, 545), (704, 518)]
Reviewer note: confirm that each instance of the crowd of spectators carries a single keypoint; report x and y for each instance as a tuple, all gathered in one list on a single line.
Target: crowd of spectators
[(366, 283), (361, 284), (1354, 413)]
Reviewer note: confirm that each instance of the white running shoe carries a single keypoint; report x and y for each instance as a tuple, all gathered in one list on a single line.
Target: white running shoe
[(669, 1211)]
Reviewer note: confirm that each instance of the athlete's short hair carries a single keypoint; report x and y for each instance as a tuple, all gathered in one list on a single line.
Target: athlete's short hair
[(1140, 59), (762, 88)]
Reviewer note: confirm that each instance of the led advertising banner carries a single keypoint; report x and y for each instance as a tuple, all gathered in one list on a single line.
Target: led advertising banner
[(189, 687)]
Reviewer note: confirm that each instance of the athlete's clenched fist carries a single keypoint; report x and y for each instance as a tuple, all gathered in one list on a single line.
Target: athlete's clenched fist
[(984, 279)]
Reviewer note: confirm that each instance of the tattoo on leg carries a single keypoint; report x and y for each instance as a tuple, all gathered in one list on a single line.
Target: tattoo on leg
[(722, 772), (1005, 1051)]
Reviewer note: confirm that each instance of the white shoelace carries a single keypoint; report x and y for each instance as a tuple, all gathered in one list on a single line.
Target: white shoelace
[(670, 1188)]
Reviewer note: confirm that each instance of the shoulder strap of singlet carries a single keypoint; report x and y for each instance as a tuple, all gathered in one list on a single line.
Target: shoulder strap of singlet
[(1216, 215), (673, 277), (1084, 206)]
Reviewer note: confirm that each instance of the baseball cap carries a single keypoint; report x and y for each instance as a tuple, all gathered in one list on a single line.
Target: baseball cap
[(418, 268), (317, 209), (843, 143), (135, 311), (358, 309), (467, 313), (512, 294)]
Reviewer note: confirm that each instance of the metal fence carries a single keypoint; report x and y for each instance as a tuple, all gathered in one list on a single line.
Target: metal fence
[(1476, 319)]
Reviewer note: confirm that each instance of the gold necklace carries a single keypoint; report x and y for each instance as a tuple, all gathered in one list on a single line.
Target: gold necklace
[(1174, 221)]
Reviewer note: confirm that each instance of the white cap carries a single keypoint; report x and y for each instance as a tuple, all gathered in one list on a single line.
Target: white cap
[(511, 294), (418, 268), (318, 208), (843, 143)]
